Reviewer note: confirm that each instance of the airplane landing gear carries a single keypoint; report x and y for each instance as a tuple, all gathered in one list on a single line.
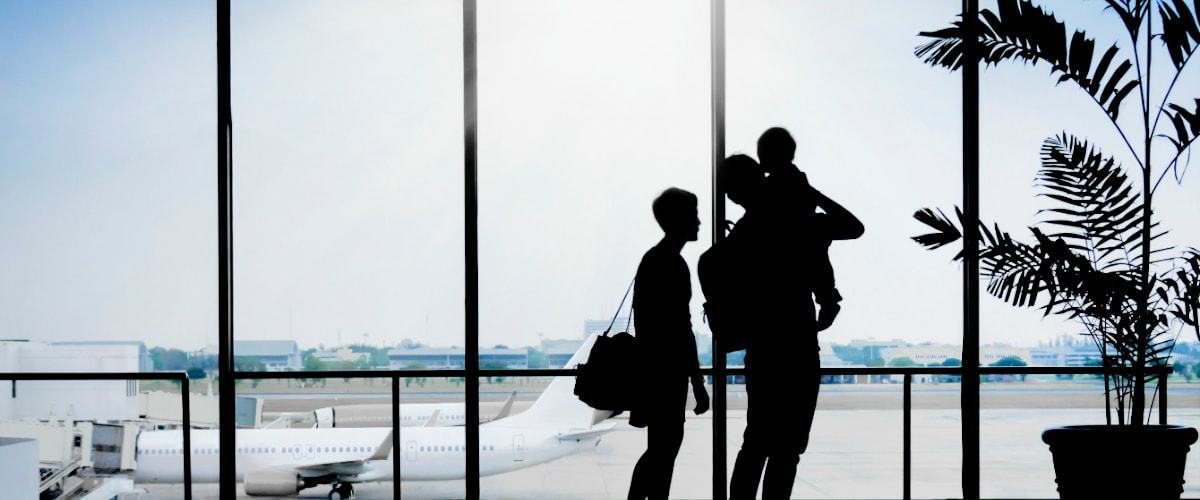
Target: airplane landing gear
[(341, 491)]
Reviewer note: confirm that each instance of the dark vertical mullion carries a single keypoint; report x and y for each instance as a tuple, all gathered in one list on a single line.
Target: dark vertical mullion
[(717, 35), (226, 423), (395, 437), (471, 254), (907, 439), (970, 149), (185, 390)]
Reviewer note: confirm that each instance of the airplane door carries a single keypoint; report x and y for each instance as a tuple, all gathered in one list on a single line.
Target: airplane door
[(519, 448), (411, 450)]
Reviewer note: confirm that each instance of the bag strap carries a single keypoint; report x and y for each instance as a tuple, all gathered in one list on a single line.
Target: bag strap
[(622, 306)]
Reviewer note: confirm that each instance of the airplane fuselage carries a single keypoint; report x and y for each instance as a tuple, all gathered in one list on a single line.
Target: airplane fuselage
[(427, 453)]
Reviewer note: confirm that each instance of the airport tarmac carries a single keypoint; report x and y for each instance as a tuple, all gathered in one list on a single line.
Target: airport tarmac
[(853, 454)]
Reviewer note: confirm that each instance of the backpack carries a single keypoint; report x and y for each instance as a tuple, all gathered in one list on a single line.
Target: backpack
[(723, 311), (605, 381)]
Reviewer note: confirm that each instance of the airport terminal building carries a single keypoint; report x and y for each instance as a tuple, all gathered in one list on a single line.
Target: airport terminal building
[(442, 358), (275, 355)]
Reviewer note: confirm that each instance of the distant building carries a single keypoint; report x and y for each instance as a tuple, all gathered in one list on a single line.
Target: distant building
[(874, 348), (829, 360), (440, 358), (342, 354), (936, 354), (1065, 355), (86, 399), (275, 355), (599, 325), (559, 351)]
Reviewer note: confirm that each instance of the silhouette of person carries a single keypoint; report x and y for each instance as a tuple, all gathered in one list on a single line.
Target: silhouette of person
[(787, 265), (662, 295)]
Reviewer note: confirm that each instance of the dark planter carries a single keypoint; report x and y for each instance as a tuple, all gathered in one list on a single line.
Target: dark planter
[(1103, 461)]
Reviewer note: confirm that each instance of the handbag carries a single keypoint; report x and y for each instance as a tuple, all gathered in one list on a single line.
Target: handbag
[(606, 382)]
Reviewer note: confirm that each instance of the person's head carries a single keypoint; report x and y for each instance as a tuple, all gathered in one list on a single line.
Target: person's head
[(677, 214), (741, 178), (776, 147)]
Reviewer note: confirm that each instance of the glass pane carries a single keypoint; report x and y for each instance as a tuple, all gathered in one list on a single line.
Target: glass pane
[(553, 446), (936, 437), (107, 191), (580, 130), (856, 444), (1026, 112), (347, 181), (880, 133)]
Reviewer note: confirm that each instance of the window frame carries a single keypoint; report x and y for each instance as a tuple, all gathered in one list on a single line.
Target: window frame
[(471, 371)]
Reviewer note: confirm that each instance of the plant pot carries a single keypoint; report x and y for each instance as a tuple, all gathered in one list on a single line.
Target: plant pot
[(1104, 461)]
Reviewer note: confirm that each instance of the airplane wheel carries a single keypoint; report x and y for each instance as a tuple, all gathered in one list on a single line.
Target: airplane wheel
[(342, 491)]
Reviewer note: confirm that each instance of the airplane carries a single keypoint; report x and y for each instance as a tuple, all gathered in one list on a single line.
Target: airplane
[(411, 414), (282, 462)]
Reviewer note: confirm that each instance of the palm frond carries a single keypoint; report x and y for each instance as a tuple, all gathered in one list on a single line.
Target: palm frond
[(1131, 13), (1186, 123), (944, 232), (1022, 31), (1183, 283), (1180, 30), (1097, 210)]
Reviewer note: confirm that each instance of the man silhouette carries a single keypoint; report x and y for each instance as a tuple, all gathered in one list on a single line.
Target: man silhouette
[(662, 294), (787, 244)]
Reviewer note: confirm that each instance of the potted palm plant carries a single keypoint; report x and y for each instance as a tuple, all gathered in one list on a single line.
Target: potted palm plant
[(1095, 253)]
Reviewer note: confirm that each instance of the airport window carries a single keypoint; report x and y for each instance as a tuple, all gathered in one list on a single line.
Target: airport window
[(465, 187)]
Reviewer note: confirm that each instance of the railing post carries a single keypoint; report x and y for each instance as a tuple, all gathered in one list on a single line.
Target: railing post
[(185, 396), (395, 436), (907, 436)]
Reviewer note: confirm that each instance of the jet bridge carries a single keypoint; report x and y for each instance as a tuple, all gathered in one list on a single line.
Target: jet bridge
[(73, 458)]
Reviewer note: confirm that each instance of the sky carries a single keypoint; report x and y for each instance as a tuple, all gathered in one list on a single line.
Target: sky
[(348, 202)]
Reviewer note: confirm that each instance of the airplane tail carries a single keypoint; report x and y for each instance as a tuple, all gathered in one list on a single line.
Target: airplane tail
[(558, 405)]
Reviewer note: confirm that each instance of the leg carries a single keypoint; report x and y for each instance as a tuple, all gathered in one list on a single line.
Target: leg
[(748, 467), (641, 474), (747, 470), (665, 440), (781, 475), (783, 459), (652, 474)]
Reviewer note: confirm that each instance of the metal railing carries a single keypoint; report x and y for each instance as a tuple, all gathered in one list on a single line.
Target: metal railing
[(185, 401), (394, 376), (907, 374)]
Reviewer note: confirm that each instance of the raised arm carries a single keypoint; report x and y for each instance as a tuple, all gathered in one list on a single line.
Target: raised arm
[(839, 223)]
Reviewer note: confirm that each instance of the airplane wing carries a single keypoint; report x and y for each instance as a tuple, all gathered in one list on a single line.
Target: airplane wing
[(594, 431), (340, 469), (347, 467)]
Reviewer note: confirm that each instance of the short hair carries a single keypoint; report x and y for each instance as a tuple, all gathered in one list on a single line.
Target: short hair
[(777, 141), (670, 204), (736, 172)]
